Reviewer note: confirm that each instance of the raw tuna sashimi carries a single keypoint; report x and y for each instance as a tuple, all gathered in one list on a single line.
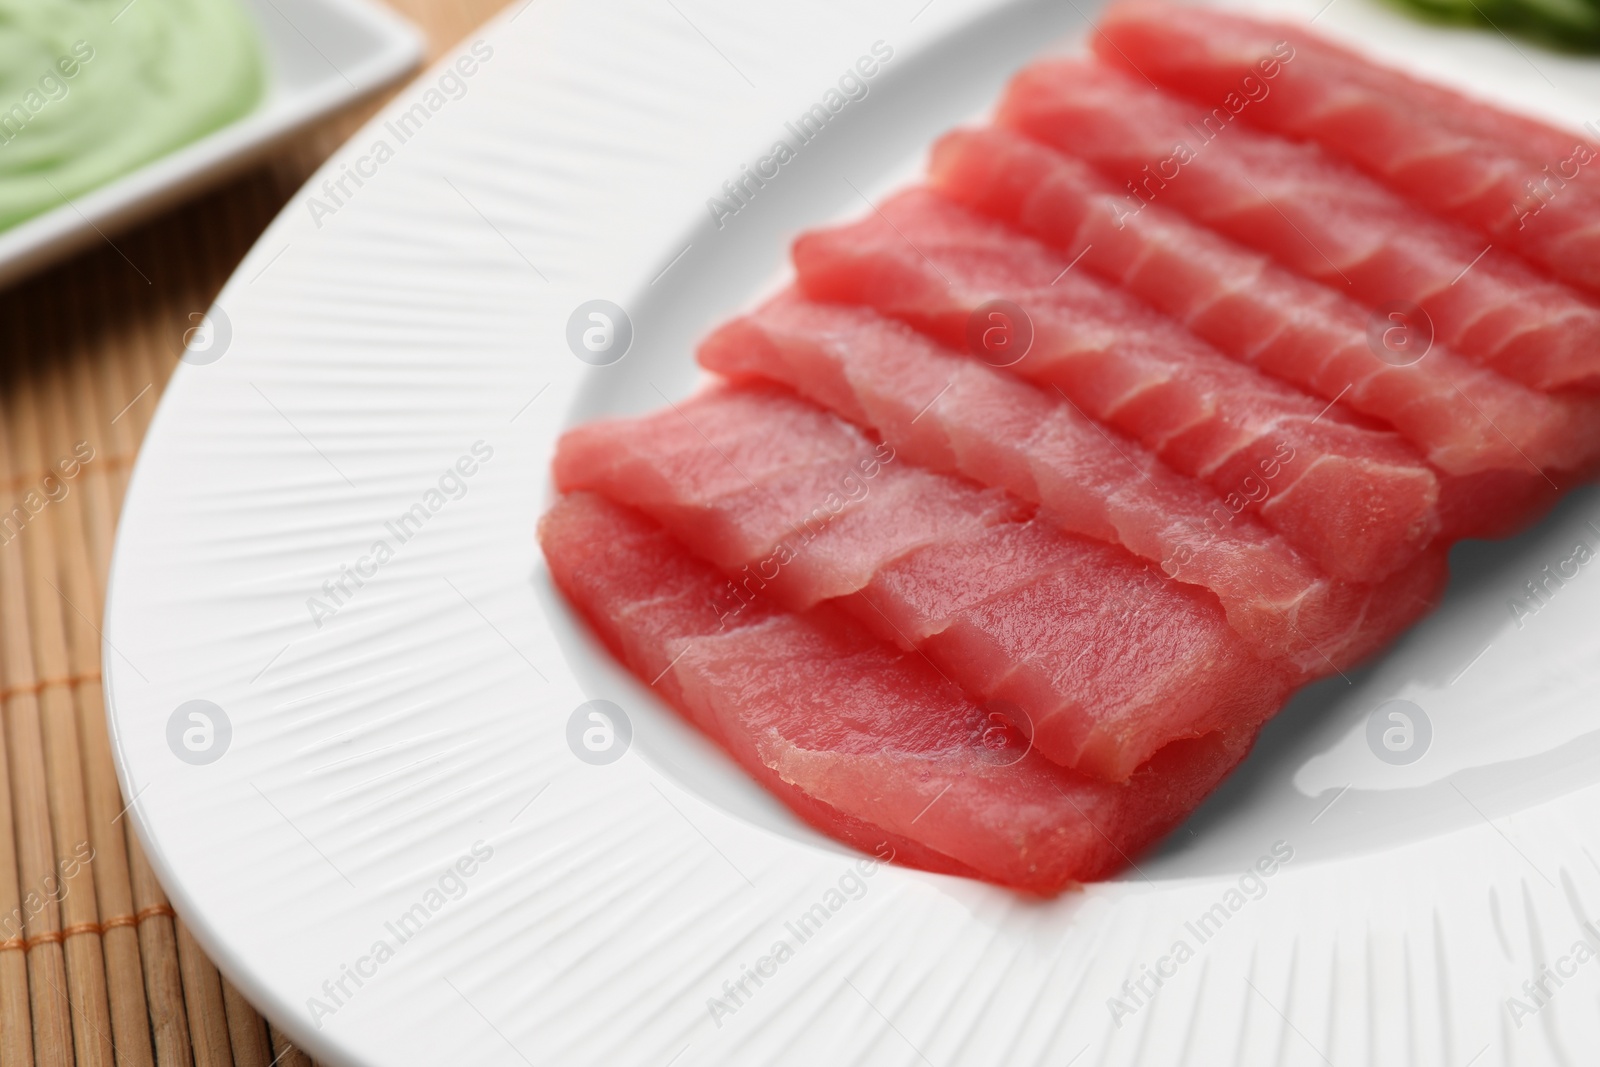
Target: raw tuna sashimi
[(1526, 185), (1360, 502), (1506, 448), (751, 479), (1041, 489), (1315, 214), (1105, 659), (946, 412), (1096, 657), (862, 740)]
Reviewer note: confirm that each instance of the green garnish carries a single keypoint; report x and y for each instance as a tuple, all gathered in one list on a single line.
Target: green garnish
[(1566, 25)]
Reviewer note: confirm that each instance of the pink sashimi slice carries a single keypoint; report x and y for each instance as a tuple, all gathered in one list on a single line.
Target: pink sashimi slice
[(1315, 214), (1097, 659), (946, 412), (1503, 447), (1526, 185), (864, 741), (814, 529), (1105, 660), (1359, 501)]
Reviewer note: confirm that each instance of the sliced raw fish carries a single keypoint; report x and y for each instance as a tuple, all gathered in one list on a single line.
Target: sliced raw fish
[(1317, 215), (1526, 185), (1105, 659), (861, 739), (1359, 501), (713, 470), (1504, 447), (946, 412)]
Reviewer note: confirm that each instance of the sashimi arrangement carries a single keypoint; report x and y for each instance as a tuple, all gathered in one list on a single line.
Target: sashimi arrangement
[(1006, 526)]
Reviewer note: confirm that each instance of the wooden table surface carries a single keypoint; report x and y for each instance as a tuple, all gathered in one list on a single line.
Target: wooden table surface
[(94, 966)]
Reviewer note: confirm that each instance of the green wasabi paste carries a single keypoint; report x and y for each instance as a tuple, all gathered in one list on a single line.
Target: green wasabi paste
[(92, 89)]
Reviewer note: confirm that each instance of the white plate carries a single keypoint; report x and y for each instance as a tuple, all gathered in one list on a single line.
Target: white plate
[(373, 347), (319, 55)]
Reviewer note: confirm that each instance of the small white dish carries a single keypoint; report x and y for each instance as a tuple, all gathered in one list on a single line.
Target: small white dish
[(318, 55)]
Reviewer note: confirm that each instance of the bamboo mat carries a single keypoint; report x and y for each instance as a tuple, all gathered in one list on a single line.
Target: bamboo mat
[(95, 968)]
